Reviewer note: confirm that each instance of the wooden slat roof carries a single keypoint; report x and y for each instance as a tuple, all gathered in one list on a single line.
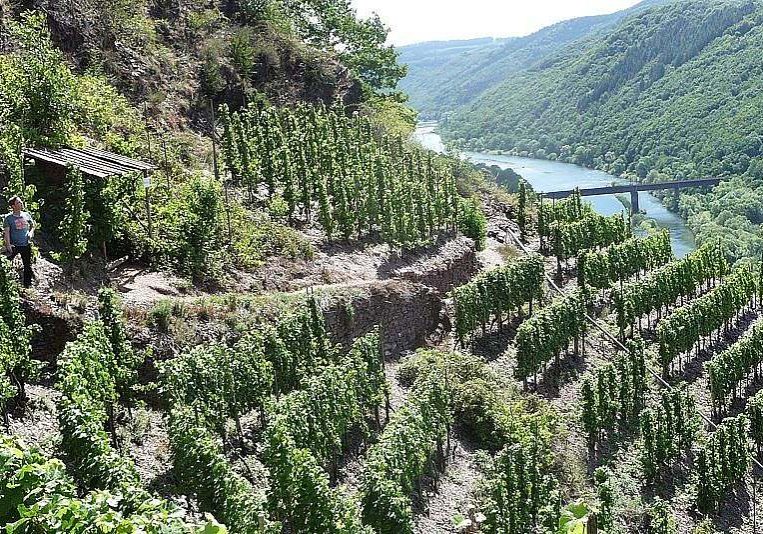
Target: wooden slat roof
[(90, 161)]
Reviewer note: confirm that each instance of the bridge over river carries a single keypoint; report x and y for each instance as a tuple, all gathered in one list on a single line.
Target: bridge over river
[(634, 188)]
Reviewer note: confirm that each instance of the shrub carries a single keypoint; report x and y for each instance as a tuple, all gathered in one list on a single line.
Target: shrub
[(256, 238), (472, 221), (191, 236), (160, 315)]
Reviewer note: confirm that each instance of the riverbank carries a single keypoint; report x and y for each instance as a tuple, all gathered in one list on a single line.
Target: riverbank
[(545, 175)]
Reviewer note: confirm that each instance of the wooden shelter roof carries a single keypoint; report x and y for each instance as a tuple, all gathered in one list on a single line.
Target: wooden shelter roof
[(91, 161)]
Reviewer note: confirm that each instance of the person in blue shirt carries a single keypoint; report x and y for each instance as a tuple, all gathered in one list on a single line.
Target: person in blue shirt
[(18, 231)]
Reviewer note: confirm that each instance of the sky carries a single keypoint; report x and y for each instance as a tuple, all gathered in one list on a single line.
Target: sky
[(414, 21)]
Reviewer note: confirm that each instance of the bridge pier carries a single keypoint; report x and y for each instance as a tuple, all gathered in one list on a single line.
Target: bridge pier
[(634, 202)]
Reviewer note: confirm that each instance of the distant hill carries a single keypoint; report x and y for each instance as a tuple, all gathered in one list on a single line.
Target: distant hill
[(443, 75), (673, 92)]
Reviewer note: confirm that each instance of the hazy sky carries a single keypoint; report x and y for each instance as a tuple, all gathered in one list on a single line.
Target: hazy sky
[(413, 21)]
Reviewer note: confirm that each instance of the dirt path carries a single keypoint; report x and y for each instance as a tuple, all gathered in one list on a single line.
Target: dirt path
[(454, 493), (38, 425)]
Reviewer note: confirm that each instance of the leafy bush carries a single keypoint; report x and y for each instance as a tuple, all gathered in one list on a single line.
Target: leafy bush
[(472, 221), (256, 237), (160, 315), (191, 233), (37, 495)]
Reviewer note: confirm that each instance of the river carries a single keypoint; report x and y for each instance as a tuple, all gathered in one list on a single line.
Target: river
[(546, 175)]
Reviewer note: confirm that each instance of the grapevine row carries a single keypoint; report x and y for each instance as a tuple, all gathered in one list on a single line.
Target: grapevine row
[(361, 182), (518, 492), (38, 496), (544, 335), (86, 407), (593, 231), (210, 385), (665, 285), (681, 330), (615, 395), (91, 378), (498, 293), (621, 261), (414, 436), (727, 369), (722, 463), (16, 365), (668, 431), (201, 464), (306, 432), (568, 210), (221, 382)]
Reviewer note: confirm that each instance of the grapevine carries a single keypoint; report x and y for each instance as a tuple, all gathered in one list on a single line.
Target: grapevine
[(620, 261), (86, 407), (126, 361), (544, 335), (201, 464), (498, 293), (755, 417), (338, 399), (683, 329), (520, 496), (306, 433)]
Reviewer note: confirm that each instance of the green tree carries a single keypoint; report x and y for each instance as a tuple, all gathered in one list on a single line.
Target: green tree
[(362, 42), (37, 89)]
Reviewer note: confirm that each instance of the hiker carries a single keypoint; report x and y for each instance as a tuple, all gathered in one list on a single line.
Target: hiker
[(18, 230)]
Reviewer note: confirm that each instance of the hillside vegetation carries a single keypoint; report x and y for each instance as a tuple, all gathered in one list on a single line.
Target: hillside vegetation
[(670, 93), (447, 74), (143, 80), (330, 329)]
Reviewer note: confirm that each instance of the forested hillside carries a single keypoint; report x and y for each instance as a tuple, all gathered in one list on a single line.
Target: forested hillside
[(670, 93), (445, 75)]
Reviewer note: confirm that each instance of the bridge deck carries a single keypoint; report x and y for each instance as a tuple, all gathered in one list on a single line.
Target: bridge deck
[(628, 188)]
